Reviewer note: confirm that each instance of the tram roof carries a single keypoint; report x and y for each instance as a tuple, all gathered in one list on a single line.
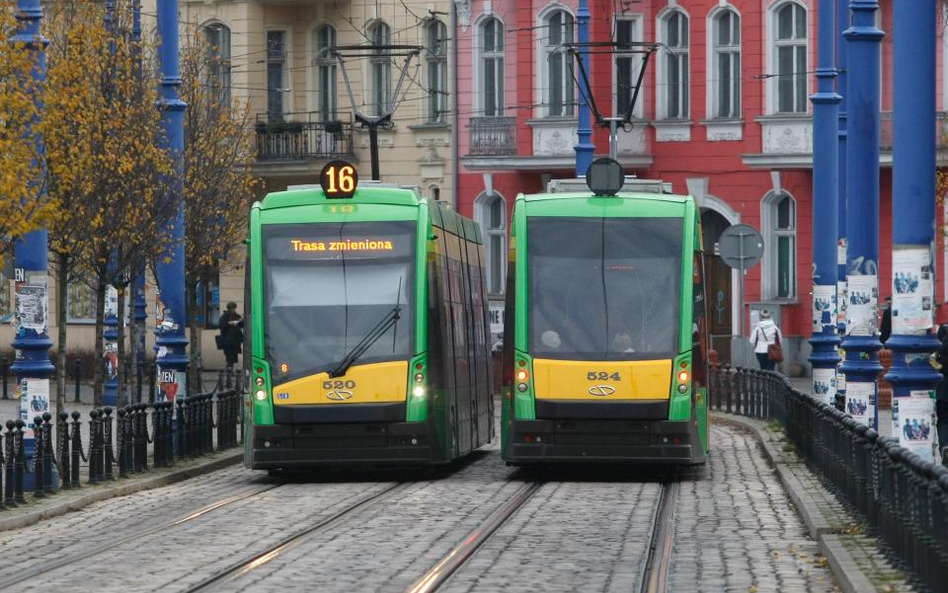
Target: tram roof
[(673, 198), (630, 204), (309, 195)]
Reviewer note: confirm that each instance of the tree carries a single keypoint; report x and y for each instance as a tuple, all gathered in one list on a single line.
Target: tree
[(218, 184), (105, 158)]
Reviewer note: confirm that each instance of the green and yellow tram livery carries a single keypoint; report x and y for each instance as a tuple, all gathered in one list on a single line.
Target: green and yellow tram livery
[(605, 337), (366, 328)]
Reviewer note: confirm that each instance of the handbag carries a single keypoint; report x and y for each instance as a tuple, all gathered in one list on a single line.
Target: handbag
[(219, 341), (775, 350)]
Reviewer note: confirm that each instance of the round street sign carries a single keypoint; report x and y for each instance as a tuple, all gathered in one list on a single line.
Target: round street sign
[(741, 246)]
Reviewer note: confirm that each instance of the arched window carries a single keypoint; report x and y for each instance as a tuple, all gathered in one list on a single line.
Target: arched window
[(491, 63), (217, 37), (381, 71), (779, 223), (558, 88), (725, 82), (324, 39), (491, 212), (436, 57), (674, 70), (789, 57)]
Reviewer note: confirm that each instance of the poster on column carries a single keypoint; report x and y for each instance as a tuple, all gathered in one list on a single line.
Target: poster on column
[(843, 300), (841, 252), (914, 423), (824, 385), (31, 304), (863, 304), (34, 401), (861, 402), (170, 385), (913, 291), (111, 302), (824, 307)]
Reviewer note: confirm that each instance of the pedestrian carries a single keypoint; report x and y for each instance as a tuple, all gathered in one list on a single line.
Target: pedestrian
[(941, 391), (767, 341), (232, 336), (885, 328)]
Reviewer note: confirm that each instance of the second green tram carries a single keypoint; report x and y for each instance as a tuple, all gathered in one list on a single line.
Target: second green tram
[(605, 330), (366, 331)]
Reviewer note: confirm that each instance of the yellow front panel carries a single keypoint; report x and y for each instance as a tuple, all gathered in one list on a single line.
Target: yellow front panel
[(382, 382), (601, 381)]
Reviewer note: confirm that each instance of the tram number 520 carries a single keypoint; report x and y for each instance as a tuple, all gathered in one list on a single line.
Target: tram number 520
[(339, 179), (339, 384), (603, 376)]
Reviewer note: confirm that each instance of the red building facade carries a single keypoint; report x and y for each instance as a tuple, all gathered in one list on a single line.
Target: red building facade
[(723, 114)]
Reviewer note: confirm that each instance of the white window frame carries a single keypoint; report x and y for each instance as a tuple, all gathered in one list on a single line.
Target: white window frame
[(318, 63), (638, 24), (482, 206), (370, 98), (661, 83), (773, 83), (544, 51), (436, 66), (770, 263), (480, 105), (713, 64), (287, 62), (223, 53), (74, 286)]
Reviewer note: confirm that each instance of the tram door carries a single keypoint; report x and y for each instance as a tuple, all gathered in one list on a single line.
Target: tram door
[(718, 286)]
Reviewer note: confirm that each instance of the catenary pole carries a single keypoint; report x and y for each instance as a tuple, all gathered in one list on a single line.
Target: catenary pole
[(584, 147), (842, 53), (110, 321), (861, 344), (913, 229)]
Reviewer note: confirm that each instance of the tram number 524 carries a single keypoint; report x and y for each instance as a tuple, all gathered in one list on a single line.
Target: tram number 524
[(339, 384), (603, 376)]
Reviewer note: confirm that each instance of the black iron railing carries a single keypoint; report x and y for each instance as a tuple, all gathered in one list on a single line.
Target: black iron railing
[(886, 136), (492, 136), (902, 498), (301, 137)]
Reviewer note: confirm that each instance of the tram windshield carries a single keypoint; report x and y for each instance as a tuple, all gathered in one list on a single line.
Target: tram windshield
[(327, 286), (604, 288)]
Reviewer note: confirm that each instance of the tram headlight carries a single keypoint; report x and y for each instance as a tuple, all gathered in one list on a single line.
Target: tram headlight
[(683, 377), (522, 376), (418, 391), (419, 377), (260, 395), (522, 387), (682, 388), (259, 381)]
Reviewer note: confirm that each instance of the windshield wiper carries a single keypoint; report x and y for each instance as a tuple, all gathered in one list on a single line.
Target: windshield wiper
[(380, 329)]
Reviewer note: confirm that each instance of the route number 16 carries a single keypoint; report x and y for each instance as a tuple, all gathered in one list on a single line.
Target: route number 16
[(339, 179)]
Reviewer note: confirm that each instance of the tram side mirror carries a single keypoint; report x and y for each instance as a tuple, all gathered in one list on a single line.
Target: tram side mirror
[(604, 177)]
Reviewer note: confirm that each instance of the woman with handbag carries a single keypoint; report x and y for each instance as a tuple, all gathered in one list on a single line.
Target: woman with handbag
[(767, 341)]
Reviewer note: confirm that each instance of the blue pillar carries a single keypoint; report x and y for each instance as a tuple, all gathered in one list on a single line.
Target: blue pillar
[(584, 147), (31, 337), (825, 213), (842, 65), (861, 345), (169, 329), (913, 213)]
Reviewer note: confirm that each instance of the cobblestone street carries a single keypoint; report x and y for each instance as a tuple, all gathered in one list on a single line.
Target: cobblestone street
[(733, 530)]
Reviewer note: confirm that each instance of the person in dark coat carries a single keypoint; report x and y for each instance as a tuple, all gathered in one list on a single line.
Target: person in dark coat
[(941, 392), (885, 328), (232, 336)]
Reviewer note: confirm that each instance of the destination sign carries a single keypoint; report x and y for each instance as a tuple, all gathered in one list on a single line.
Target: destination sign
[(339, 179), (335, 241), (347, 245)]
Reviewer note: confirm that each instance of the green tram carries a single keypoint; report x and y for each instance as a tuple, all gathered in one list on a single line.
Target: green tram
[(605, 331), (367, 328)]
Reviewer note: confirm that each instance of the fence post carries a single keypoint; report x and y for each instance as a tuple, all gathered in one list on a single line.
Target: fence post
[(19, 462), (62, 448), (142, 454), (121, 443), (158, 434), (9, 461), (108, 453), (76, 452), (49, 458), (94, 442), (152, 376), (38, 471)]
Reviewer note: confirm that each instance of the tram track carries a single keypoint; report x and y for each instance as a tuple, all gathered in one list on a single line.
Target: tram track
[(40, 569), (654, 577), (246, 565)]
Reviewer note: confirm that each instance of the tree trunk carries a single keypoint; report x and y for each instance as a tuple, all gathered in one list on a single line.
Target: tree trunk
[(62, 292), (99, 374), (120, 340), (194, 369), (133, 338)]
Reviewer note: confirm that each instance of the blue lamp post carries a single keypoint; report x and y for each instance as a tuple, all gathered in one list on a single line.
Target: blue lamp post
[(584, 147), (171, 342), (861, 345), (139, 303), (913, 210), (842, 65), (825, 196), (31, 338)]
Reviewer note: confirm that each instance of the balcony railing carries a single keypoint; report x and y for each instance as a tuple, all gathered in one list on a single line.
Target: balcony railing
[(300, 137), (887, 137), (493, 136)]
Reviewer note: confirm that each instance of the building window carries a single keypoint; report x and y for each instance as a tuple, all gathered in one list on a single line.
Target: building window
[(80, 303), (558, 88), (435, 192), (726, 64), (436, 56), (628, 65), (673, 70), (780, 249), (492, 215), (324, 40), (790, 47), (276, 74), (491, 76), (380, 35), (209, 298), (218, 59)]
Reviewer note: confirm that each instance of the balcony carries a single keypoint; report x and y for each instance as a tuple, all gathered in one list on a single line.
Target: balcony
[(300, 137), (492, 136), (886, 136)]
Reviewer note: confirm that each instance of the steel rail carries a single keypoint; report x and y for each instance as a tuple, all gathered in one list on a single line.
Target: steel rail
[(39, 569), (655, 574), (438, 574), (242, 567)]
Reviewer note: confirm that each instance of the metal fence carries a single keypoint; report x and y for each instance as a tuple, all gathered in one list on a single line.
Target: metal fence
[(118, 442), (902, 499), (492, 136)]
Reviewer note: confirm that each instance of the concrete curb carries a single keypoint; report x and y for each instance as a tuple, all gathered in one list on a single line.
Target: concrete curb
[(850, 577), (122, 488)]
